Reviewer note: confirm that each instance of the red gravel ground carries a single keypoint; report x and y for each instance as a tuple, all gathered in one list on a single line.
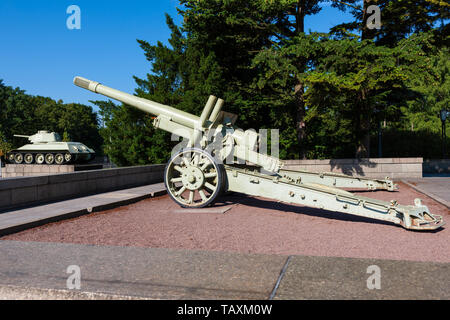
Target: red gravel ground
[(255, 225)]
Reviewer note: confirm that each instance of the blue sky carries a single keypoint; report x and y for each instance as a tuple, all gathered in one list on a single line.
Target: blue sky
[(39, 54)]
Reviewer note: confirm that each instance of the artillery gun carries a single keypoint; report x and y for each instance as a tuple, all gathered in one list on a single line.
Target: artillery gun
[(217, 159), (47, 148)]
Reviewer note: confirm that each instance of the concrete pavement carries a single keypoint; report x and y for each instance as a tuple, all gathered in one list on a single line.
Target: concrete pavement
[(38, 270), (347, 278), (21, 219), (8, 292), (33, 270), (437, 188), (140, 272)]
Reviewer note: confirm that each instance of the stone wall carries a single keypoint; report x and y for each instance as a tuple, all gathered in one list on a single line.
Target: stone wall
[(24, 191), (395, 168), (29, 170)]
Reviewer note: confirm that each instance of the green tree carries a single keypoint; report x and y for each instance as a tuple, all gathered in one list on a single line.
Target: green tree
[(16, 116), (399, 18), (21, 113), (73, 121), (4, 145), (363, 83), (128, 134), (327, 93), (129, 137), (242, 30)]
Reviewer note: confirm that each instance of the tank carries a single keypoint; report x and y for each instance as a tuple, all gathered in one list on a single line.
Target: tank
[(47, 148)]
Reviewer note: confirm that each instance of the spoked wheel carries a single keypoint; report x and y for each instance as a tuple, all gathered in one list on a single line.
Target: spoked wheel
[(28, 158), (193, 178)]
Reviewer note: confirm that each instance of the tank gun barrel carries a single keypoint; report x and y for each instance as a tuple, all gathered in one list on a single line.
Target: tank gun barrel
[(21, 136), (157, 109)]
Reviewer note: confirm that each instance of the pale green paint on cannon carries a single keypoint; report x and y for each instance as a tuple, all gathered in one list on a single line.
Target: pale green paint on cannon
[(196, 175)]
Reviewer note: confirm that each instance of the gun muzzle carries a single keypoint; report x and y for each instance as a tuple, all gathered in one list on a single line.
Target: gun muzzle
[(154, 108), (86, 84)]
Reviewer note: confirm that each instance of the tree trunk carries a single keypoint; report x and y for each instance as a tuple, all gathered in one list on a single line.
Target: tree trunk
[(363, 149), (300, 123), (299, 87), (364, 28), (363, 128)]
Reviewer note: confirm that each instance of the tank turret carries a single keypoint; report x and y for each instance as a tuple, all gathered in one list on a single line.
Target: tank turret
[(42, 136), (47, 148)]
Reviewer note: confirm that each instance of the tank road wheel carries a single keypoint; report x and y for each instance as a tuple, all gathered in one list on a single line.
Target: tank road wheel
[(18, 158), (59, 158), (28, 158), (193, 178), (10, 157), (67, 157), (49, 158), (39, 158)]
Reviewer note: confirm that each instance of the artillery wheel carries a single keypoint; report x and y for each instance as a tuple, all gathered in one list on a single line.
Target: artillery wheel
[(49, 158), (193, 178), (39, 158), (18, 158), (28, 158), (59, 158)]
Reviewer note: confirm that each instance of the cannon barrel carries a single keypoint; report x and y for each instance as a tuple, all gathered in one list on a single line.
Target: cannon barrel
[(21, 136), (178, 116)]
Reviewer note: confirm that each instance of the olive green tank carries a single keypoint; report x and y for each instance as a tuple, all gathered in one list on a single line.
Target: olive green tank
[(47, 148)]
